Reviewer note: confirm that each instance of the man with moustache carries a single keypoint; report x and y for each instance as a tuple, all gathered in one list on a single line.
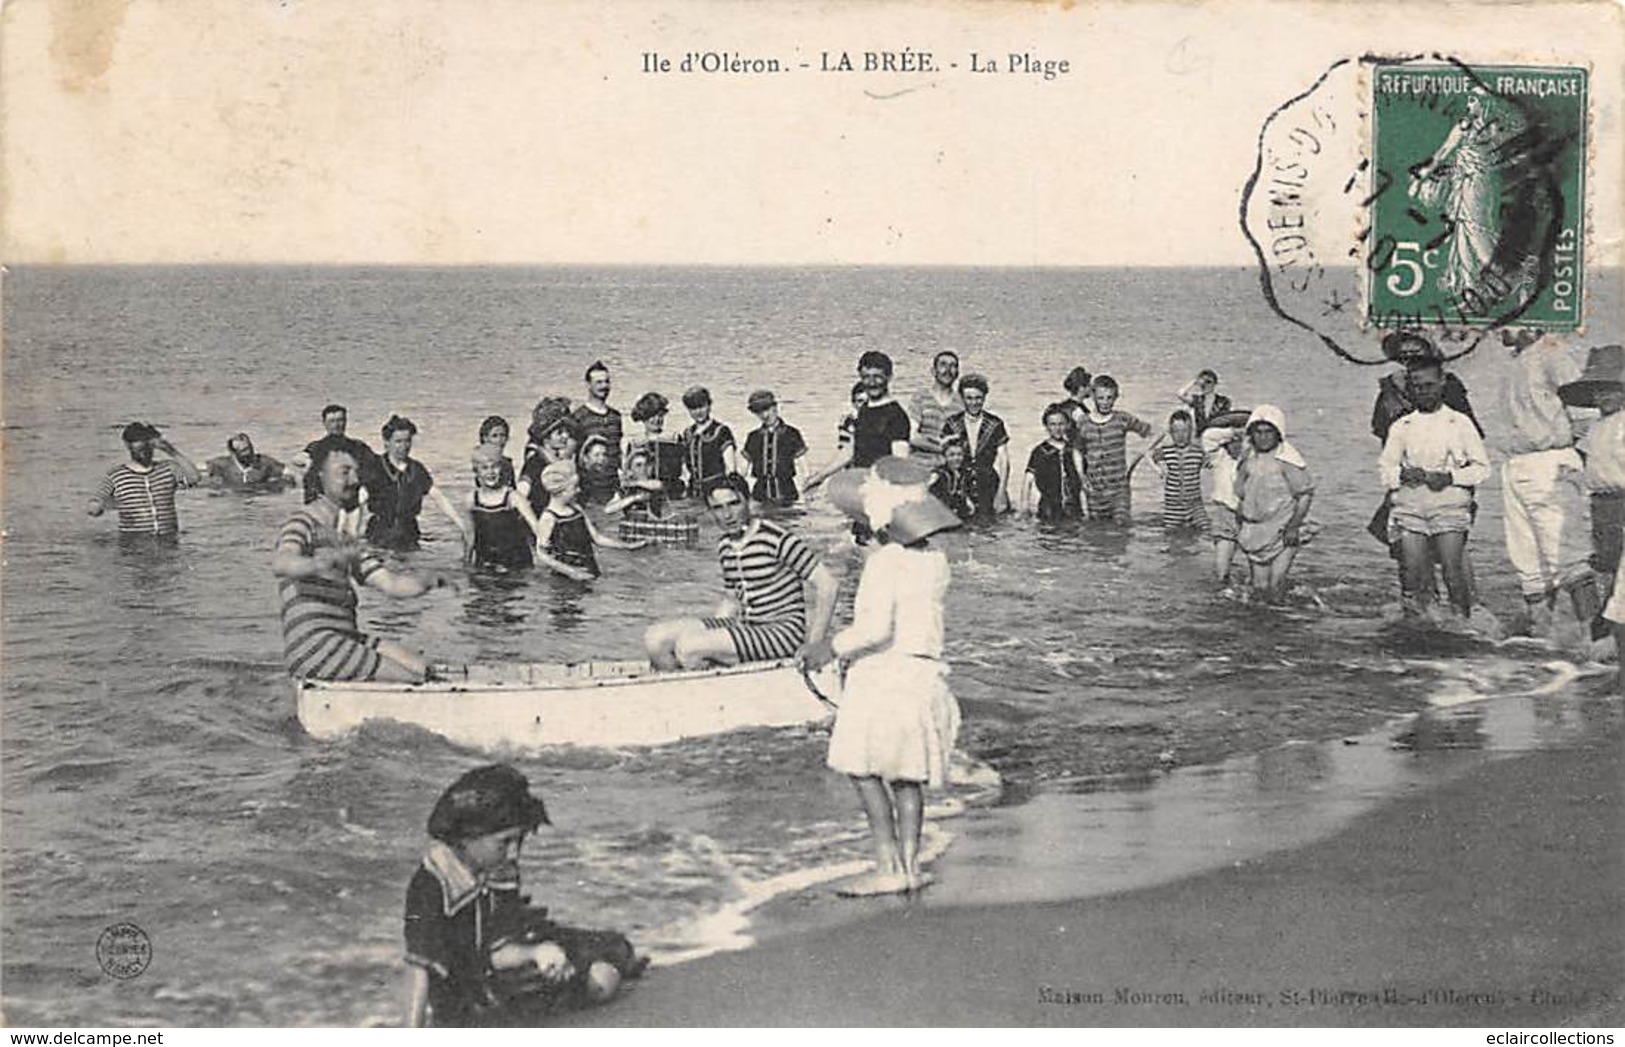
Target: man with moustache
[(931, 408), (143, 489), (315, 567), (594, 417)]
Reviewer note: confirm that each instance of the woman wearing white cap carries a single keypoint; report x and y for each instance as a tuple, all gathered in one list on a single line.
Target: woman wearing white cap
[(1274, 489)]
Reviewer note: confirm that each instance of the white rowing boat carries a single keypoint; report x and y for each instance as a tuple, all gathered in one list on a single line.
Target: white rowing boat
[(586, 703)]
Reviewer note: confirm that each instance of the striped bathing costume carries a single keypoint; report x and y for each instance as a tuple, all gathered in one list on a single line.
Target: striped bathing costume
[(145, 499), (1182, 485), (1105, 460), (764, 570), (319, 634)]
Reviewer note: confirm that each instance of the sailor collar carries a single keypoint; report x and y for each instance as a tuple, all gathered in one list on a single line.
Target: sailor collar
[(459, 884)]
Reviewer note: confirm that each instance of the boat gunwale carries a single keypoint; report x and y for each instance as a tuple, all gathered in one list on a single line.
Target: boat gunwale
[(648, 677)]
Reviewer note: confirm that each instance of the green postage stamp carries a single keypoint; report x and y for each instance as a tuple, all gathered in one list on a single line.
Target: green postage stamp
[(1477, 196)]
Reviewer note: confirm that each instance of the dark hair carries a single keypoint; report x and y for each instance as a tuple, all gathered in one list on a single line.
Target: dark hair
[(496, 421), (972, 381), (1426, 363), (1180, 416), (733, 481), (857, 387), (955, 441), (334, 409), (1207, 373), (875, 359), (489, 799), (1104, 381), (1076, 380), (697, 396), (1055, 409), (398, 424), (596, 365), (318, 461), (942, 353), (649, 405)]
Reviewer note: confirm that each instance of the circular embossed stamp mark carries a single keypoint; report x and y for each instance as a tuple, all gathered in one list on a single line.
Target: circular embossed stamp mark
[(1419, 192), (124, 951)]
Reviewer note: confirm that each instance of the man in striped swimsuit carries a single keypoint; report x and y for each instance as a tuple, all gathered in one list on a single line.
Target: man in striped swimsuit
[(315, 566), (143, 490), (766, 571)]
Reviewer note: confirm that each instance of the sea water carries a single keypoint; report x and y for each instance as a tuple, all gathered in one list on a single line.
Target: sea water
[(153, 770)]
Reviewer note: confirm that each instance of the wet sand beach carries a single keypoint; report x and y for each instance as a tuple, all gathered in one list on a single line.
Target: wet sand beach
[(1495, 897)]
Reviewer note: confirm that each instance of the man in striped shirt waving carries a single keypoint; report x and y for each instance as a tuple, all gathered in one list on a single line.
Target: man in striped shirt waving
[(315, 567), (142, 489), (766, 571)]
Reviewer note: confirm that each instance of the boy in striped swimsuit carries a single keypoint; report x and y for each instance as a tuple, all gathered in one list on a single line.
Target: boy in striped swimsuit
[(765, 569), (1180, 462), (315, 567), (1103, 435)]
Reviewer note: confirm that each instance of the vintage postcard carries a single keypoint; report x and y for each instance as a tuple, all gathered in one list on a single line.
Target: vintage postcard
[(909, 513)]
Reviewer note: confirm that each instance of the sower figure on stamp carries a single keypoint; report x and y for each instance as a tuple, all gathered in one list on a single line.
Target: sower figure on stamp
[(1548, 527)]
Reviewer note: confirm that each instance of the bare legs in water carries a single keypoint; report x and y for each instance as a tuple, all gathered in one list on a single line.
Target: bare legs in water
[(896, 812)]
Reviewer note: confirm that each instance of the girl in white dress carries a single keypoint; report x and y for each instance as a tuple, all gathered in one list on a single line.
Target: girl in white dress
[(897, 720)]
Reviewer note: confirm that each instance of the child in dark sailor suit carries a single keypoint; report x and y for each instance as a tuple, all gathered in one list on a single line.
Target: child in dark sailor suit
[(480, 954)]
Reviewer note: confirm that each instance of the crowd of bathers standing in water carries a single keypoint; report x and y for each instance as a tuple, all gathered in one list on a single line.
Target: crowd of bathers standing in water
[(1563, 505)]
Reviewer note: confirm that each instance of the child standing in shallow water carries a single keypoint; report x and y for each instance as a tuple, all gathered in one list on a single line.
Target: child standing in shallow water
[(948, 480), (1223, 447), (1103, 435), (504, 526), (1054, 471), (1180, 462), (898, 720), (564, 536), (479, 953)]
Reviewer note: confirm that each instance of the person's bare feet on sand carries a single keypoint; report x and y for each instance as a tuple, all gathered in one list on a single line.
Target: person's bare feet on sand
[(919, 881), (875, 883)]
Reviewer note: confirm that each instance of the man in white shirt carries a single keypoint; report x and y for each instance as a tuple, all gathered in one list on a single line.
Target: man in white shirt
[(1431, 462)]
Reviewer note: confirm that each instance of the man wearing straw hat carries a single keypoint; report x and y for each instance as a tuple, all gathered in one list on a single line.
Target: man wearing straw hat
[(1543, 483)]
